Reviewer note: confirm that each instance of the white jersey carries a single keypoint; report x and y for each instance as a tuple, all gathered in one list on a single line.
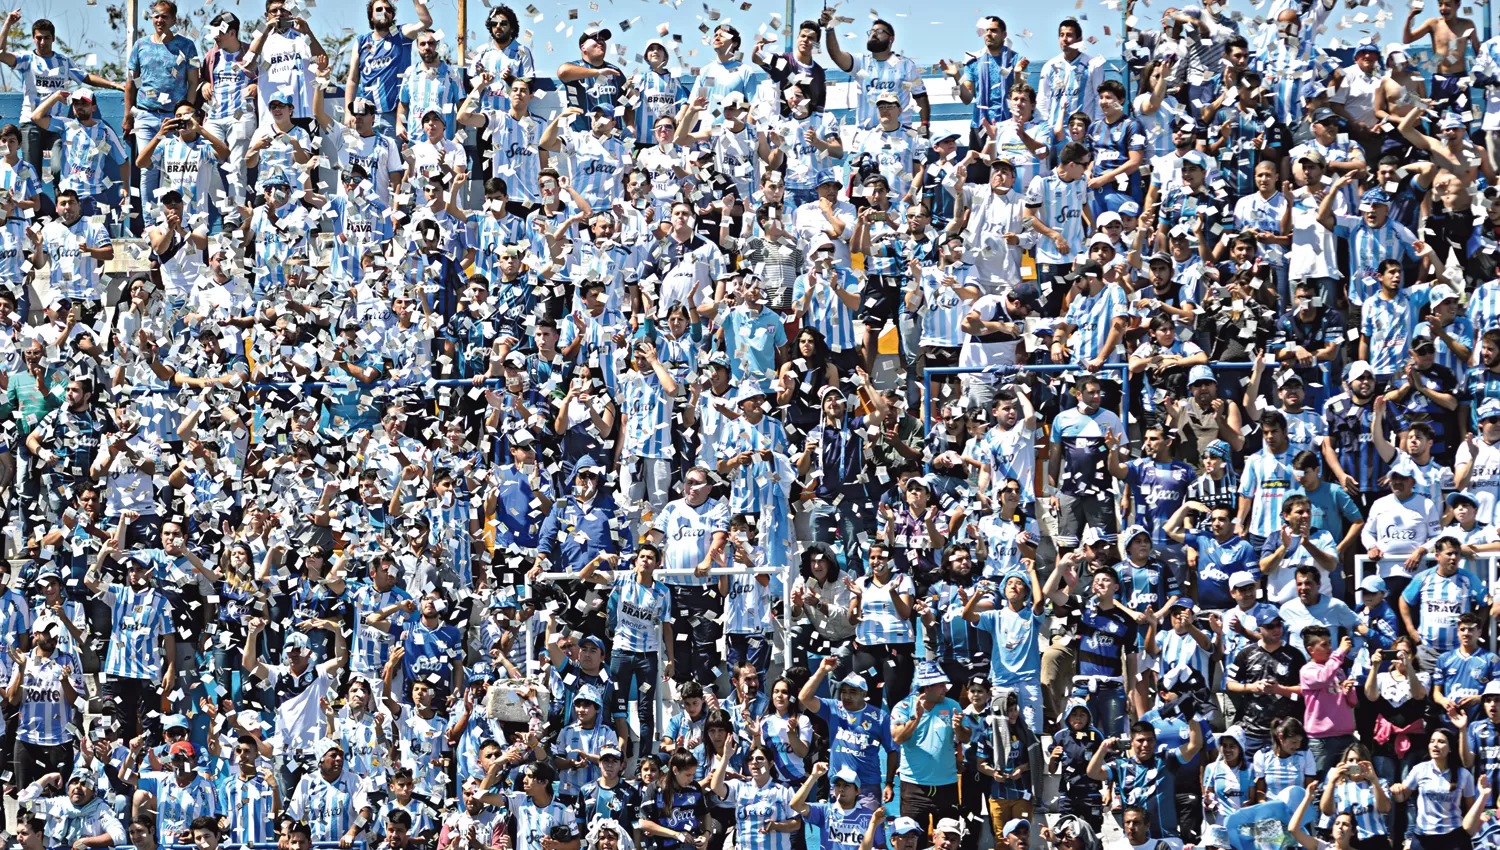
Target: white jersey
[(1484, 476)]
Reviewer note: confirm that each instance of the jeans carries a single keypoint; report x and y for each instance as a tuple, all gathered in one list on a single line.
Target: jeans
[(897, 666), (33, 761), (843, 522), (132, 700), (146, 125), (755, 649), (641, 670), (1328, 752), (233, 174), (1106, 703), (695, 628)]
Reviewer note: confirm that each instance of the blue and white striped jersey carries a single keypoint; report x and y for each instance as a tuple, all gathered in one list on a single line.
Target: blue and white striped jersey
[(755, 808), (86, 149), (1064, 88), (591, 741), (803, 161), (1092, 316), (943, 309), (186, 167), (639, 613), (248, 803), (44, 715), (276, 242), (15, 254), (371, 648), (41, 77), (1358, 799), (364, 752), (1267, 480), (878, 621), (513, 154), (177, 805), (424, 88), (513, 59), (896, 74), (596, 166), (424, 740), (330, 808), (1389, 325), (1059, 204), (1483, 307), (687, 534), (533, 822), (376, 153), (1181, 649), (279, 158), (488, 234), (661, 94), (1439, 801), (21, 181), (382, 62), (138, 621), (1279, 773), (895, 154), (1368, 247), (753, 487), (1008, 144), (1439, 601), (285, 70), (719, 79), (825, 312), (747, 611), (231, 85), (648, 416), (359, 225)]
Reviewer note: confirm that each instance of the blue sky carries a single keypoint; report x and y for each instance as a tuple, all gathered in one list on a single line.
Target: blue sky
[(926, 31)]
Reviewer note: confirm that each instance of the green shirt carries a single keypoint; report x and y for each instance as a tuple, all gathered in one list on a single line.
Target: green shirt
[(27, 401)]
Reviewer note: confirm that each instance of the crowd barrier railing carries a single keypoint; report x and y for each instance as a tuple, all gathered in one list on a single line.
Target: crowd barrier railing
[(1489, 571)]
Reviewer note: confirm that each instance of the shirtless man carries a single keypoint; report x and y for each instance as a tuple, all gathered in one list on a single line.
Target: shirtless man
[(1451, 35)]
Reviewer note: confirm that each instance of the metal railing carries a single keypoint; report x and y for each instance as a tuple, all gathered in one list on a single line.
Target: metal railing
[(787, 573), (1490, 574)]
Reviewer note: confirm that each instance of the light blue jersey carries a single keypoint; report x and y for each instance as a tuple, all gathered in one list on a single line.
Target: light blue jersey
[(382, 62), (44, 716), (943, 309), (424, 89), (688, 534), (640, 612), (1267, 480), (1059, 204), (1439, 601), (1388, 324), (86, 151), (139, 619)]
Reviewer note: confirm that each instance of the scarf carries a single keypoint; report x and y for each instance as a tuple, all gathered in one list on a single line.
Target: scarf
[(73, 823), (1385, 731)]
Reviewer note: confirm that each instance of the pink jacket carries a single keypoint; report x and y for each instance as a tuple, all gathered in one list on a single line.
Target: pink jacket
[(1329, 708)]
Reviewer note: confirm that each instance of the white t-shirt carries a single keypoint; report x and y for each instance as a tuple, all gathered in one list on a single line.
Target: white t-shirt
[(1398, 528)]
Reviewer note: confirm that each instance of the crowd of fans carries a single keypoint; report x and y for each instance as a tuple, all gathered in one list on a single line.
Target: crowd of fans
[(490, 460)]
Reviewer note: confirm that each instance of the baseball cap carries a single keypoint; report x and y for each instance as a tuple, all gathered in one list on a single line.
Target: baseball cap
[(82, 94), (949, 825), (1489, 409), (1357, 369), (1492, 689), (1366, 47), (856, 681), (1029, 295), (181, 748), (1375, 196), (887, 97), (1241, 579), (1107, 218), (1373, 584), (1451, 120), (174, 721), (596, 33), (1288, 376), (1404, 467), (1441, 292), (1313, 157), (1130, 208), (1323, 114), (847, 775), (1015, 824), (905, 826), (1200, 373), (1458, 497), (1195, 158), (610, 751)]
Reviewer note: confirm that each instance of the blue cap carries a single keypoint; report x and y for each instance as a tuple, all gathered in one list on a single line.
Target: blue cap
[(1130, 208), (1221, 450), (1459, 496), (1451, 120), (589, 693), (174, 721), (1373, 584), (930, 673), (1375, 196), (1488, 409), (593, 640), (749, 390), (587, 463), (825, 176), (847, 775), (1195, 158), (1201, 372), (854, 680), (481, 672), (1014, 824)]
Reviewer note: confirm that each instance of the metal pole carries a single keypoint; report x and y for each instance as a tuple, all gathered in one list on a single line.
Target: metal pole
[(791, 22)]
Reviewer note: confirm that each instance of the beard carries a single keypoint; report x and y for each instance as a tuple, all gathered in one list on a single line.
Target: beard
[(875, 44)]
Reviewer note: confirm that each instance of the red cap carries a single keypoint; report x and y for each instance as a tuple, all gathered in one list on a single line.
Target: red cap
[(181, 748)]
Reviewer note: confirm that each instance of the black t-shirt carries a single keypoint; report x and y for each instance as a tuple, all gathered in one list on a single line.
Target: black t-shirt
[(1282, 665)]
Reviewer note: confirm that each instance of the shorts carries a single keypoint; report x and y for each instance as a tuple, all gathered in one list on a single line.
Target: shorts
[(939, 357), (882, 301), (1076, 511)]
